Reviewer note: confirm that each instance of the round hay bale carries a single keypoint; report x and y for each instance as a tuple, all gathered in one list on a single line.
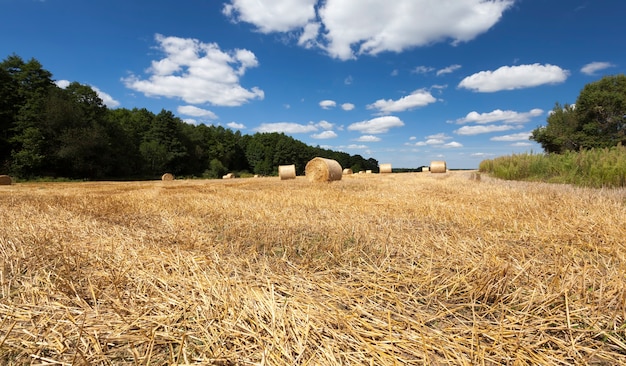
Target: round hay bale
[(228, 176), (5, 180), (425, 169), (287, 172), (167, 176), (368, 171), (385, 168), (347, 171), (323, 170), (438, 167)]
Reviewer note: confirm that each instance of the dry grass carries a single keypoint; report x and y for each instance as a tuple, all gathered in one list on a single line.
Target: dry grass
[(391, 269)]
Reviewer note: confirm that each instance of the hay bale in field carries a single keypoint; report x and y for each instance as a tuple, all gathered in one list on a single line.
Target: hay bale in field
[(475, 176), (438, 167), (385, 168), (347, 171), (287, 172), (368, 172), (167, 176), (425, 169), (361, 172), (228, 176), (323, 170), (5, 180), (256, 176)]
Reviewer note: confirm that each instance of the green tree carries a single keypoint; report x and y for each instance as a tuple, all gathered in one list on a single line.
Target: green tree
[(561, 132)]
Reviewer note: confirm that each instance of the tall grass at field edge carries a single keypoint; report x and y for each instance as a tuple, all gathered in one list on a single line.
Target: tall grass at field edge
[(595, 168)]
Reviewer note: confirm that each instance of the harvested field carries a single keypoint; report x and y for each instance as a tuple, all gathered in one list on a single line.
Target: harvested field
[(393, 269)]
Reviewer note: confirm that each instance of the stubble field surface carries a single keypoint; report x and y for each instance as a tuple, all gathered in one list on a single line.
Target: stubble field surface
[(413, 268)]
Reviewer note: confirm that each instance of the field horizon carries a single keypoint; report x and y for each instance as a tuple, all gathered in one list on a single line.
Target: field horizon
[(381, 269)]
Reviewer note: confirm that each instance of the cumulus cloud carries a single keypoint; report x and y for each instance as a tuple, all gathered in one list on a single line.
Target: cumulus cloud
[(514, 77), (377, 125), (423, 69), (107, 99), (286, 127), (236, 126), (453, 145), (197, 73), (522, 136), (327, 104), (418, 98), (324, 135), (347, 106), (346, 29), (592, 68), (190, 110), (448, 70), (499, 115), (368, 138), (475, 130), (325, 125)]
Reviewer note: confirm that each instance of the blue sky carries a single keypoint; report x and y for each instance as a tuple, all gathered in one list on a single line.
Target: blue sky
[(405, 81)]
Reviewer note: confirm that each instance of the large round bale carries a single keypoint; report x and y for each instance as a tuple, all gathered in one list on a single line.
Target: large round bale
[(438, 167), (323, 170), (228, 176), (287, 172), (347, 171), (167, 176), (5, 180), (385, 168)]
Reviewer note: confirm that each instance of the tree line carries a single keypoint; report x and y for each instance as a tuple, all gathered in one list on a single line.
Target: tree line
[(48, 131)]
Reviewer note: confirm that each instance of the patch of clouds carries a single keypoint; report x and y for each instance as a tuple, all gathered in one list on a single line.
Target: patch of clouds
[(377, 125), (106, 98), (325, 135), (418, 98), (347, 106), (190, 110), (480, 129), (514, 77), (345, 29), (368, 138), (593, 67), (522, 136), (328, 104), (236, 126), (197, 73), (499, 115), (448, 70), (294, 128)]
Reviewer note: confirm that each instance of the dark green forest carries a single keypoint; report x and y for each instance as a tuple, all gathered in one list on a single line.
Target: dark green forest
[(47, 131)]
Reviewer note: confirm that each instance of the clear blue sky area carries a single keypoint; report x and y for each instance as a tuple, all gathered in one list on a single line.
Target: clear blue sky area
[(405, 81)]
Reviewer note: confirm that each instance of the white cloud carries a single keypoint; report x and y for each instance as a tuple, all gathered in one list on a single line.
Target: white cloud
[(325, 125), (499, 115), (348, 80), (325, 135), (448, 70), (418, 98), (197, 72), (522, 144), (351, 29), (368, 138), (347, 106), (190, 110), (522, 136), (475, 130), (236, 126), (423, 69), (107, 99), (286, 127), (327, 104), (453, 145), (514, 77), (377, 125), (592, 68), (356, 147), (272, 15)]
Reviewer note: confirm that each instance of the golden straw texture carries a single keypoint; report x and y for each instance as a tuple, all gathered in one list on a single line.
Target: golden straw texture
[(438, 167), (323, 170), (287, 172)]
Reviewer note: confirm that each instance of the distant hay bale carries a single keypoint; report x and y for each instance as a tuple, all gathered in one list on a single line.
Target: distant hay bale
[(438, 167), (167, 176), (347, 171), (228, 176), (256, 176), (425, 169), (323, 170), (5, 180), (475, 176), (287, 172), (385, 168), (368, 172)]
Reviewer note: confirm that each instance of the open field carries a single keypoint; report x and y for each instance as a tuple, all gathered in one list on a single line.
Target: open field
[(413, 268)]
